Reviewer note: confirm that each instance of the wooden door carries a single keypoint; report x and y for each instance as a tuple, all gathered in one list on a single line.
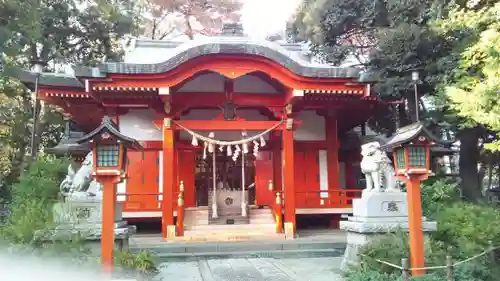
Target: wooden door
[(142, 181), (263, 174)]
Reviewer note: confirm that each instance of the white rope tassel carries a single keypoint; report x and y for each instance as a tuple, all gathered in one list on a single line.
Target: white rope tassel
[(262, 141), (229, 151), (237, 148), (194, 142), (255, 148), (205, 150), (211, 145), (245, 148), (221, 148)]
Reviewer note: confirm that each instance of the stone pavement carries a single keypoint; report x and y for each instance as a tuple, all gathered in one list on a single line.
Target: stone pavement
[(253, 269)]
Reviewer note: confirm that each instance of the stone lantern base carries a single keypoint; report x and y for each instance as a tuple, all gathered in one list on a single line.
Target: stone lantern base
[(375, 214)]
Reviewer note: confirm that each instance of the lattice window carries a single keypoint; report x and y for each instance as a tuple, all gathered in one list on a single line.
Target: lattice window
[(417, 156), (400, 158), (108, 155)]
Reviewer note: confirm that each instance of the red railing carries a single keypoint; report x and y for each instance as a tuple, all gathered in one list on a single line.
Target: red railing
[(337, 198)]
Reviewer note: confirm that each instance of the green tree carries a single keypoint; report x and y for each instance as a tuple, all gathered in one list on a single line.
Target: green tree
[(474, 87), (55, 32), (391, 39)]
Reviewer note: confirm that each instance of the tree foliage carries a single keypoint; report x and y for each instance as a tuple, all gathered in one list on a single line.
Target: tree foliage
[(57, 33), (187, 17), (475, 84)]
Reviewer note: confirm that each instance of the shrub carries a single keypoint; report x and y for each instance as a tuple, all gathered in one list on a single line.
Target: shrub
[(467, 227), (438, 192), (32, 199), (141, 265), (393, 247)]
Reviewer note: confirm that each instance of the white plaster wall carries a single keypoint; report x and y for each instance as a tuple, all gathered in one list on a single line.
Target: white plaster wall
[(214, 82), (312, 127), (253, 84), (323, 173), (209, 82), (121, 188), (138, 124), (160, 177)]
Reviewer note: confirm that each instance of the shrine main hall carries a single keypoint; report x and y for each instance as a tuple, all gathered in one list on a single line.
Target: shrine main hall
[(242, 137)]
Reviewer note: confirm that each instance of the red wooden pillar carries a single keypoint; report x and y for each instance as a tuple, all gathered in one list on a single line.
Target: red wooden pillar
[(289, 183), (416, 233), (277, 168), (108, 220), (169, 176), (332, 153)]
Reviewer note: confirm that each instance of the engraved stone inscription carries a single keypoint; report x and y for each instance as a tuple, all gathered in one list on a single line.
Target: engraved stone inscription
[(82, 213), (392, 207)]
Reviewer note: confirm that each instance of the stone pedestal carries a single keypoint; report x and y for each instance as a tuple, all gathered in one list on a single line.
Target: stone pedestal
[(374, 214), (83, 217)]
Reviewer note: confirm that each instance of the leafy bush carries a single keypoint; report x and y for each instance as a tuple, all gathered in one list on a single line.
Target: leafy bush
[(464, 230), (393, 247), (438, 192), (32, 199), (467, 228), (140, 264)]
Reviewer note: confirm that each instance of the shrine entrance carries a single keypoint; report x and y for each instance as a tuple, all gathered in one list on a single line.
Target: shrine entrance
[(232, 190), (228, 176)]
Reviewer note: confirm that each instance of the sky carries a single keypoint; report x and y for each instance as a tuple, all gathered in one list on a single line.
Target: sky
[(263, 17)]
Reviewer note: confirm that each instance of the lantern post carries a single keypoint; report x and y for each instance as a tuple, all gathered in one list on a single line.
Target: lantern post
[(411, 146), (109, 148)]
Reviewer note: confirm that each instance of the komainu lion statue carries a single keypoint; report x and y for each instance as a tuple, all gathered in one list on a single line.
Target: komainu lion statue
[(377, 168), (79, 184)]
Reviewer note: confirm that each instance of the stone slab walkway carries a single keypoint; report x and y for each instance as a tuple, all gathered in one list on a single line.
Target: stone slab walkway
[(253, 269)]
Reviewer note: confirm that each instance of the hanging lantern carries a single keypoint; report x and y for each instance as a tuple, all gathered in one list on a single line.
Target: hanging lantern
[(194, 142)]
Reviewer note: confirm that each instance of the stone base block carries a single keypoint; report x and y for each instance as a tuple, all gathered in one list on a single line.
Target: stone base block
[(91, 235), (381, 204), (375, 214), (289, 230), (171, 232), (371, 225)]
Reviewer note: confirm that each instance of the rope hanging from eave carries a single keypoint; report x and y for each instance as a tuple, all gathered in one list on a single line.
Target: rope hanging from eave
[(228, 143)]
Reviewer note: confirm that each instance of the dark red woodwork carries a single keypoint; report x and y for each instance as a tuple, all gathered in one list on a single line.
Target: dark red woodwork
[(264, 172)]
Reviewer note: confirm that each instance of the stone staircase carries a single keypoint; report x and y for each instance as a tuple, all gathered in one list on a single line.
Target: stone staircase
[(260, 226)]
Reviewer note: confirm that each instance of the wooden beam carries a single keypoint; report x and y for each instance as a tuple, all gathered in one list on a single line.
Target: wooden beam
[(197, 99), (221, 125)]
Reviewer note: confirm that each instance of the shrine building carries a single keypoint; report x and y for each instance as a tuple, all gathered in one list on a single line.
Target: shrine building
[(234, 131)]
